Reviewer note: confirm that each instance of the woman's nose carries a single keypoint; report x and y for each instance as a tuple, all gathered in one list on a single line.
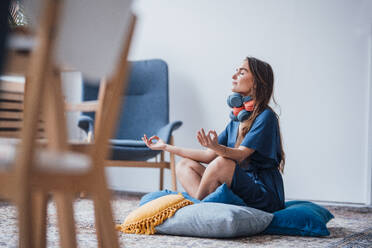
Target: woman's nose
[(234, 76)]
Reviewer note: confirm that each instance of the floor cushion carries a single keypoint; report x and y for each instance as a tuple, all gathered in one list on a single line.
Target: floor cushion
[(215, 220), (144, 219), (301, 218), (154, 195), (222, 194)]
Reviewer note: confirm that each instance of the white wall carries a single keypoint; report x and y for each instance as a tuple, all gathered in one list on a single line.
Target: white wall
[(369, 149), (71, 84), (320, 56)]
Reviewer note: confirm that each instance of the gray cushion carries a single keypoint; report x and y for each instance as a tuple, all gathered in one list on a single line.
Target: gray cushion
[(215, 220)]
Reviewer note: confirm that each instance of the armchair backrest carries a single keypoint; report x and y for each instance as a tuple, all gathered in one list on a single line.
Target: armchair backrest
[(146, 103)]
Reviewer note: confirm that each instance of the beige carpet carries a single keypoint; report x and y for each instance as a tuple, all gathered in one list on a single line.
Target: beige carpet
[(352, 227)]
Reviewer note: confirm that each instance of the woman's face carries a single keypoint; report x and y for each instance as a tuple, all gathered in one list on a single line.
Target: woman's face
[(243, 80)]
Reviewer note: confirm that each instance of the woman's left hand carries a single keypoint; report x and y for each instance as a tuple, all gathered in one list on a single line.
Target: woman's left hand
[(209, 140)]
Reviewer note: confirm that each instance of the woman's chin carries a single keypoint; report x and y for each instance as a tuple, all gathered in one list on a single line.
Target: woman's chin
[(240, 92), (236, 91)]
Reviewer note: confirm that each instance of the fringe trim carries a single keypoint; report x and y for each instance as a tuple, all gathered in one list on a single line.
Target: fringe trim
[(147, 226)]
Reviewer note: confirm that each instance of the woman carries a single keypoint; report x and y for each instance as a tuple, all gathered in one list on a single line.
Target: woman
[(247, 155)]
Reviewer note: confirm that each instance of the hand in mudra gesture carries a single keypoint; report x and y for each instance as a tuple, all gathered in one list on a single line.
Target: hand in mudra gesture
[(209, 140), (158, 145)]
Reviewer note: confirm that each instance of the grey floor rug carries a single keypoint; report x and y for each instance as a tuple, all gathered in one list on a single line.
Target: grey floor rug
[(352, 227), (362, 239)]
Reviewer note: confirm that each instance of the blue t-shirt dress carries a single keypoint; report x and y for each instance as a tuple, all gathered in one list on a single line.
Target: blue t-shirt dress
[(257, 179)]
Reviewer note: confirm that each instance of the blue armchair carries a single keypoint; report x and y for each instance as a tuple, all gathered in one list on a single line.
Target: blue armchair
[(146, 110)]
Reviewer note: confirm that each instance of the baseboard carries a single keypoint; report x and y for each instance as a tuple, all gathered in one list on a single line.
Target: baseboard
[(128, 193), (333, 203)]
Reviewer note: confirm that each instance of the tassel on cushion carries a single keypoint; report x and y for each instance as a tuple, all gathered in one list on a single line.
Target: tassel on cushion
[(144, 219)]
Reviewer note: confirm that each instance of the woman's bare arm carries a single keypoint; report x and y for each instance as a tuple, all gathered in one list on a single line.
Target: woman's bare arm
[(237, 154), (203, 156)]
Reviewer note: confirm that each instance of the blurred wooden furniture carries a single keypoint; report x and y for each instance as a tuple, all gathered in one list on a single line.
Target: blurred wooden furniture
[(15, 180), (93, 181), (53, 167), (12, 109), (18, 132), (17, 144)]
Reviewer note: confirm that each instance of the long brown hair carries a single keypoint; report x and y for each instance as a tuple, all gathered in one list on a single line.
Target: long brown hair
[(263, 86)]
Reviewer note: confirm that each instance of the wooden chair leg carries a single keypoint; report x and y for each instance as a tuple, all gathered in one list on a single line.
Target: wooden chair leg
[(24, 220), (161, 179), (66, 222), (104, 215), (173, 167), (161, 174), (98, 222), (173, 171), (106, 229), (39, 212)]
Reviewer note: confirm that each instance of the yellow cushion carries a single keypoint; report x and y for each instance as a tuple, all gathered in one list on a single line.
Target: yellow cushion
[(144, 219)]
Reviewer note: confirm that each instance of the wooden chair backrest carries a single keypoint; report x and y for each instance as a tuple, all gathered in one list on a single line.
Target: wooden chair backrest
[(12, 94)]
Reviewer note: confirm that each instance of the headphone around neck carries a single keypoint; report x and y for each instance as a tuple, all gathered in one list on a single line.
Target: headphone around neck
[(242, 106)]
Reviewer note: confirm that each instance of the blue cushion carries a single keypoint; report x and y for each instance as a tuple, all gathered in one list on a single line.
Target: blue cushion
[(134, 153), (154, 195), (224, 195), (221, 195), (215, 220), (126, 142), (301, 218)]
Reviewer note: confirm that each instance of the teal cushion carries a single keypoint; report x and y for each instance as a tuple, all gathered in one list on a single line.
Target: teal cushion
[(154, 195), (221, 195), (302, 218), (224, 195), (127, 142)]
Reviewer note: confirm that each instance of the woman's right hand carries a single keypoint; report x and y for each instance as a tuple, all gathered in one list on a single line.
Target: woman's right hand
[(158, 145)]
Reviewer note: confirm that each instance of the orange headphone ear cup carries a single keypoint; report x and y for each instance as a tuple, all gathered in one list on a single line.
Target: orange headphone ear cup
[(249, 106), (233, 117)]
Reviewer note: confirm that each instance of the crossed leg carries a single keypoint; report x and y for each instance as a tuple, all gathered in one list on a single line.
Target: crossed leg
[(199, 181)]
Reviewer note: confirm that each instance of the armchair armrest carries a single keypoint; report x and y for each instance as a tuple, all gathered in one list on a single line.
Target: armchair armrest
[(87, 106), (87, 124), (165, 132)]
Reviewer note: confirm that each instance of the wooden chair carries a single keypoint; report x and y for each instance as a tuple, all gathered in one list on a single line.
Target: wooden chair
[(17, 142), (15, 181), (70, 168)]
